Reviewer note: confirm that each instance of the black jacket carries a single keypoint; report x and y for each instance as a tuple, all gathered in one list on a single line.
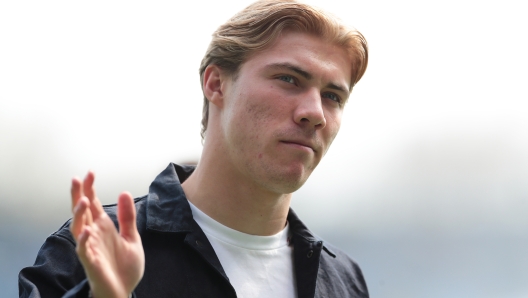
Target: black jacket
[(180, 261)]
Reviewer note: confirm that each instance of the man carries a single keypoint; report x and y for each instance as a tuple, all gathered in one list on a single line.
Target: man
[(275, 80)]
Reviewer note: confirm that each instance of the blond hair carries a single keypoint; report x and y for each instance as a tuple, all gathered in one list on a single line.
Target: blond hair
[(258, 25)]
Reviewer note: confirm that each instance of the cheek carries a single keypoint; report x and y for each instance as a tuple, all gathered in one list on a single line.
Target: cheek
[(251, 118), (262, 107), (332, 128), (257, 112)]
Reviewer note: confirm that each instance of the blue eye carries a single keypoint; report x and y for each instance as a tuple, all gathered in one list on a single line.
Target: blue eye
[(332, 96), (287, 79)]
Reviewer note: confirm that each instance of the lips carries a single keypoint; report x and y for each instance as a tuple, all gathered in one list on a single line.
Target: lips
[(300, 143)]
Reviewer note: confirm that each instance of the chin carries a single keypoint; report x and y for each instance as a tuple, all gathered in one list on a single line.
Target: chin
[(288, 180)]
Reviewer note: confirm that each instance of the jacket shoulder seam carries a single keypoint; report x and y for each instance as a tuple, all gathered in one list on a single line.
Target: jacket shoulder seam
[(63, 237)]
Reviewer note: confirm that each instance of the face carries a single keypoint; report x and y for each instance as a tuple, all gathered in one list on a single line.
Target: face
[(284, 109)]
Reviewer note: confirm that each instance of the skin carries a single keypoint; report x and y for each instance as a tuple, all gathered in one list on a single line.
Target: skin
[(267, 131), (113, 261)]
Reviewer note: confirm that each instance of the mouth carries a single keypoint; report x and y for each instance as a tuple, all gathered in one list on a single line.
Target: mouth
[(300, 144)]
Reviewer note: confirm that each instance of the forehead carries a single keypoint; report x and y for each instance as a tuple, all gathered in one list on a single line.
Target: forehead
[(323, 59)]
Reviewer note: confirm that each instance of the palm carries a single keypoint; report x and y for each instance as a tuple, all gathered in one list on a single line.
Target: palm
[(113, 262)]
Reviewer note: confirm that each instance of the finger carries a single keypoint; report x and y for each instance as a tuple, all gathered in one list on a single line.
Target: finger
[(76, 191), (126, 216), (81, 217), (89, 192), (82, 245)]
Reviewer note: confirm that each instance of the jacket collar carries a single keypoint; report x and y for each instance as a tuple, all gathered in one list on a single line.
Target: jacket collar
[(301, 231), (168, 209), (298, 228)]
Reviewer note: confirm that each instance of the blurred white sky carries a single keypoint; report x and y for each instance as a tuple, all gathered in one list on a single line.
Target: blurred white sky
[(113, 86)]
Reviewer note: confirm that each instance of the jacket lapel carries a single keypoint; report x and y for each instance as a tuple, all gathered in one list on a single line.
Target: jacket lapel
[(306, 254), (168, 211)]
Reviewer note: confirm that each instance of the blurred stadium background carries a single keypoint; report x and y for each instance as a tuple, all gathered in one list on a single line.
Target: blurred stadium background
[(426, 185)]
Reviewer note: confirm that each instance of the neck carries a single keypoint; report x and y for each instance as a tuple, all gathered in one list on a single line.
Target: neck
[(225, 195)]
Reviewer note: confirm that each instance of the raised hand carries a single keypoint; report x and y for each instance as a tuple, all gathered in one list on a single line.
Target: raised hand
[(114, 262)]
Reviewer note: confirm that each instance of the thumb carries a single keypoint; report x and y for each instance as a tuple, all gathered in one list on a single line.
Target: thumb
[(126, 216)]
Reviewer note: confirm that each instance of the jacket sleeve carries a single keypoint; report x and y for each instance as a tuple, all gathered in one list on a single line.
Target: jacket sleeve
[(56, 272)]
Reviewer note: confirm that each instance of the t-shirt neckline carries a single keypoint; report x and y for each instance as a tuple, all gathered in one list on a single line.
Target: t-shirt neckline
[(236, 238)]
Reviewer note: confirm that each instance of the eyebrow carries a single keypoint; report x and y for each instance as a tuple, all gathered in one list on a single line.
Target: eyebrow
[(293, 68), (309, 76)]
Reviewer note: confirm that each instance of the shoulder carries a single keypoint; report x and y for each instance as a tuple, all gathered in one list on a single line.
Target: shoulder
[(339, 273)]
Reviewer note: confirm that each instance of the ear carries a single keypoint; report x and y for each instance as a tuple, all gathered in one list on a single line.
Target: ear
[(212, 85)]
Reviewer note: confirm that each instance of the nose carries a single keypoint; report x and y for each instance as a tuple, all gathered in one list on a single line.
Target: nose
[(309, 110)]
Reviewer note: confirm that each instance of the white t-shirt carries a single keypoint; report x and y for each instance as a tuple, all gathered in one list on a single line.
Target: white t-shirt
[(257, 266)]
